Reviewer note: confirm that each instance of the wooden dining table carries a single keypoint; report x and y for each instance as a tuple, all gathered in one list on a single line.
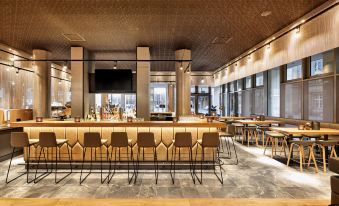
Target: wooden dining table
[(290, 131), (325, 132), (247, 122)]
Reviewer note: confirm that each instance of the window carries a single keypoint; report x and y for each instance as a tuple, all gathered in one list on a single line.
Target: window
[(158, 97), (259, 79), (291, 94), (259, 101), (203, 104), (239, 85), (294, 70), (193, 89), (322, 63), (239, 106), (193, 104), (319, 100), (231, 85), (247, 103), (216, 99), (203, 89), (248, 82), (274, 92)]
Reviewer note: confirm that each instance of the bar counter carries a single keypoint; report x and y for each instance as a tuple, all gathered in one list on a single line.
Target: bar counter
[(164, 132)]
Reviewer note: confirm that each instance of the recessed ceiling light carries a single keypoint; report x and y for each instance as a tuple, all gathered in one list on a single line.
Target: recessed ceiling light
[(266, 13)]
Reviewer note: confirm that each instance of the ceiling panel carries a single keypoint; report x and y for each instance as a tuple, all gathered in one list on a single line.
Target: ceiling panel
[(114, 28)]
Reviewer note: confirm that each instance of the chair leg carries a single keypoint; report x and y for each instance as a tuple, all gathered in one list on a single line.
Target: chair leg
[(173, 160), (290, 154), (27, 170), (266, 145), (324, 158), (156, 165), (137, 166), (191, 164), (311, 148), (301, 158), (214, 160)]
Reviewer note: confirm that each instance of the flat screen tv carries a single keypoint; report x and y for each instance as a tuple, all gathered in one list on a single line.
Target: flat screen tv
[(113, 81)]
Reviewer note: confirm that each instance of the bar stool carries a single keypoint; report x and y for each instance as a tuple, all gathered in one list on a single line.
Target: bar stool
[(92, 140), (327, 143), (301, 144), (230, 134), (48, 140), (250, 131), (262, 129), (274, 138), (120, 140), (147, 140), (239, 129), (20, 140), (209, 140), (182, 140)]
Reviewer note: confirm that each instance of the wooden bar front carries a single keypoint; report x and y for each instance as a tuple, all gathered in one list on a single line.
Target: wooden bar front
[(164, 133)]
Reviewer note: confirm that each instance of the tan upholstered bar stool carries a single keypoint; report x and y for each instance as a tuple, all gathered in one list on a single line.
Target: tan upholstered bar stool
[(92, 140), (239, 130), (275, 138), (302, 144), (209, 140), (19, 140), (182, 140), (323, 144), (120, 140), (229, 134), (146, 140), (47, 142)]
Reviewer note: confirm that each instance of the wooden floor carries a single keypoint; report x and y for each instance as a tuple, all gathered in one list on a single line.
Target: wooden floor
[(162, 202)]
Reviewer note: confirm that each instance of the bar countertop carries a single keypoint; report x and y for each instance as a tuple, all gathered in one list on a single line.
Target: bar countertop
[(71, 123)]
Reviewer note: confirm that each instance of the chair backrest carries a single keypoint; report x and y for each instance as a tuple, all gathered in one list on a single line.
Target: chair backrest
[(146, 139), (210, 139), (231, 129), (47, 139), (92, 139), (183, 139), (119, 139), (19, 139)]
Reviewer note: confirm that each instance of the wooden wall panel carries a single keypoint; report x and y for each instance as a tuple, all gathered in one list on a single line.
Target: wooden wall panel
[(318, 35)]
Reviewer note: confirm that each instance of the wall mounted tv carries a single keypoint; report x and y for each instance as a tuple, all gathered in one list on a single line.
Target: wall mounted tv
[(113, 81)]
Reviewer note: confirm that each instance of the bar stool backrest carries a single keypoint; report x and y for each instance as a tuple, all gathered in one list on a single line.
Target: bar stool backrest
[(47, 139), (119, 139), (210, 139), (146, 139), (19, 139), (92, 139), (231, 129), (183, 139)]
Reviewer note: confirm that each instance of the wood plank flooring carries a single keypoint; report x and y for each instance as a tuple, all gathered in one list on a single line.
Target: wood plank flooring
[(162, 202)]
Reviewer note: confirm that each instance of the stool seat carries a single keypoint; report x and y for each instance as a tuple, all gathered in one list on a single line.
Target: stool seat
[(326, 142), (225, 134), (275, 134), (238, 124), (297, 136), (313, 136), (303, 143)]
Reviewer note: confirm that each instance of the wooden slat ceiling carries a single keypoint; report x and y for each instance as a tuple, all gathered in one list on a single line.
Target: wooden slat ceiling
[(113, 28)]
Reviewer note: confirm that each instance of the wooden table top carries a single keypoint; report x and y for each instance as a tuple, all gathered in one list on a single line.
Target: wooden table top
[(235, 118), (250, 121), (295, 130), (68, 123)]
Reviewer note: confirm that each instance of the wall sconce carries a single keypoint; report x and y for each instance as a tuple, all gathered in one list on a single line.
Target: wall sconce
[(129, 119), (39, 119), (77, 119)]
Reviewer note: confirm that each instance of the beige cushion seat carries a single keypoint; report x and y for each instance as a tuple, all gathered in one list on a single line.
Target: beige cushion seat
[(326, 142), (275, 134)]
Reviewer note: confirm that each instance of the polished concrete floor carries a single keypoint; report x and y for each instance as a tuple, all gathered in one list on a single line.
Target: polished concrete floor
[(256, 176)]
